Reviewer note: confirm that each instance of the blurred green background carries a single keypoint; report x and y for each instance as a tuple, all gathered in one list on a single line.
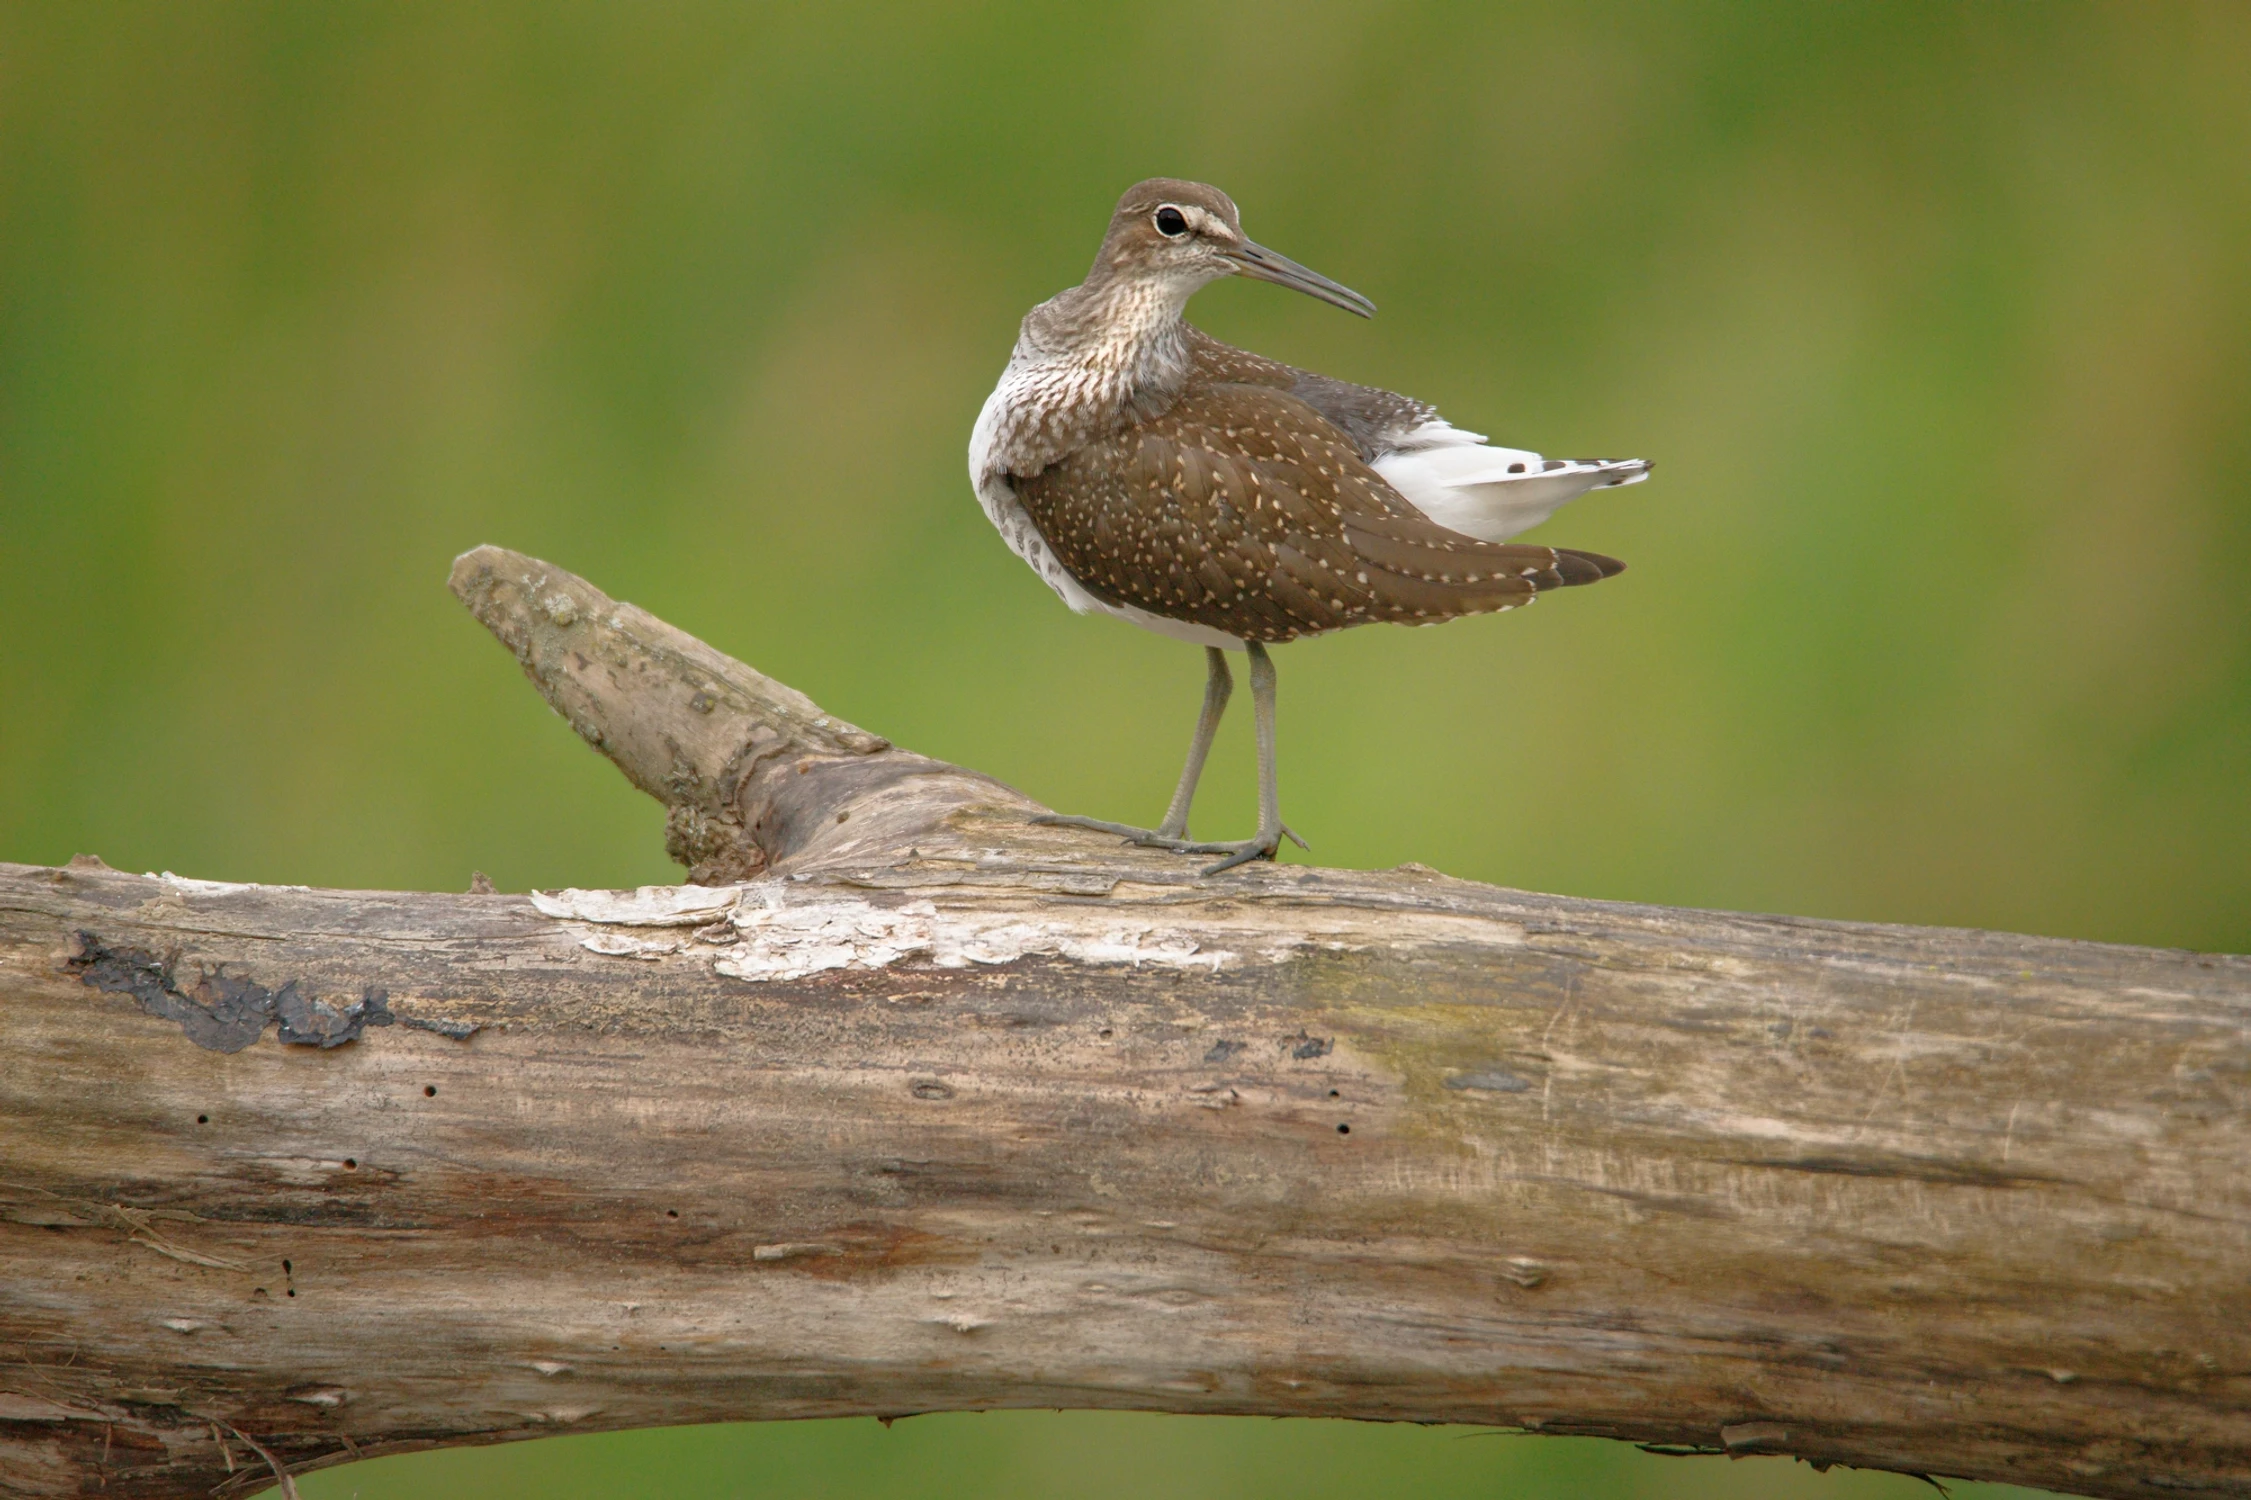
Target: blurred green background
[(1937, 320)]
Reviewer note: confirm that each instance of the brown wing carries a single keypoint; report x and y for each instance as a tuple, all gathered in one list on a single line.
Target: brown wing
[(1375, 419), (1244, 510)]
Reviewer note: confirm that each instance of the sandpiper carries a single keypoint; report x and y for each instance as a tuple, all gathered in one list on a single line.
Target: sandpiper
[(1148, 471)]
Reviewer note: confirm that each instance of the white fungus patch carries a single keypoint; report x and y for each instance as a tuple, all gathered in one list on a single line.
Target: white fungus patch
[(650, 906), (811, 937), (788, 931), (787, 934), (624, 945)]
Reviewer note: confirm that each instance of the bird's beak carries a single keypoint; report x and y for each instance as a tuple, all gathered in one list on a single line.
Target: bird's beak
[(1249, 259)]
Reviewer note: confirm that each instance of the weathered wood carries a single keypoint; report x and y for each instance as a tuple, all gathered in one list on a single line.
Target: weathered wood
[(940, 1110)]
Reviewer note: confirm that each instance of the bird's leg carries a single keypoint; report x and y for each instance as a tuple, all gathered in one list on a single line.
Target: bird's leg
[(1219, 683), (1268, 839)]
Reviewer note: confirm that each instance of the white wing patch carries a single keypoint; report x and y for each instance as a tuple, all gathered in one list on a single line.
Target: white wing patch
[(1465, 485)]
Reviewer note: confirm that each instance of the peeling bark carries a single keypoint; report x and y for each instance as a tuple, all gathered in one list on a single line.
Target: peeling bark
[(913, 1106)]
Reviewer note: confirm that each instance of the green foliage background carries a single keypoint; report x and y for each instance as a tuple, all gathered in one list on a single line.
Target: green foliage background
[(1936, 318)]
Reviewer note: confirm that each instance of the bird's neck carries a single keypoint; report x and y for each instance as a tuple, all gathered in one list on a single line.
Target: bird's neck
[(1123, 336), (1089, 361)]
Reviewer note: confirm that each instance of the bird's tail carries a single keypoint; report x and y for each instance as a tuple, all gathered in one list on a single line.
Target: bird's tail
[(1495, 493)]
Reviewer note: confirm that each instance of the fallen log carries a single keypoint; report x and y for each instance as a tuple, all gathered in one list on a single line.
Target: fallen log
[(907, 1104)]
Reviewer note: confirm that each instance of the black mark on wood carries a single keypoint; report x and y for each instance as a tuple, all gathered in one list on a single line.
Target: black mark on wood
[(460, 1031), (224, 1012)]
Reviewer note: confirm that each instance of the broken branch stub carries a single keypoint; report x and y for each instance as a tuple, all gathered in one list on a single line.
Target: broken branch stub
[(752, 773), (940, 1110)]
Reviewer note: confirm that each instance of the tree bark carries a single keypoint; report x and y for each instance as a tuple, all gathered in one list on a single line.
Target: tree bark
[(912, 1105)]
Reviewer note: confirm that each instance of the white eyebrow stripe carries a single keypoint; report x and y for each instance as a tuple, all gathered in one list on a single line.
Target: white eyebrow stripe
[(1203, 220)]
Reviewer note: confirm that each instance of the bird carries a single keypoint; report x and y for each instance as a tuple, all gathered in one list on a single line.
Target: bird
[(1147, 471)]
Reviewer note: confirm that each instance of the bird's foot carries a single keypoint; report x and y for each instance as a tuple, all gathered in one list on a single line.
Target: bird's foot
[(1151, 838), (1239, 851), (1259, 846), (1177, 841)]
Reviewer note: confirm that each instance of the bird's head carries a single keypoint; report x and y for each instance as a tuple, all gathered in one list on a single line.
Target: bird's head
[(1184, 235)]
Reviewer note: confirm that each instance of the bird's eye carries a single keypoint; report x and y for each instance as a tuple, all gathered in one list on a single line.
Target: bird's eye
[(1171, 222)]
